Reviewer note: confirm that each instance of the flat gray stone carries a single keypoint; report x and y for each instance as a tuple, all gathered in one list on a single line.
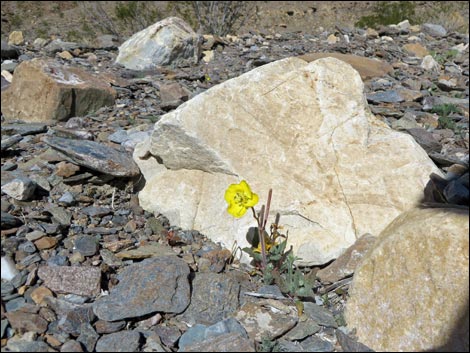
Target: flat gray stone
[(391, 96), (95, 156), (24, 129), (124, 341), (320, 315), (214, 297), (155, 284)]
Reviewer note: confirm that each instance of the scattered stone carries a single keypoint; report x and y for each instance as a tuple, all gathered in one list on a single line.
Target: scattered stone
[(39, 293), (86, 245), (16, 38), (319, 314), (350, 345), (76, 280), (9, 51), (124, 341), (95, 156), (65, 169), (214, 297), (156, 284), (46, 243), (346, 264), (10, 141), (434, 30), (8, 221), (266, 319), (26, 321), (24, 129), (21, 188)]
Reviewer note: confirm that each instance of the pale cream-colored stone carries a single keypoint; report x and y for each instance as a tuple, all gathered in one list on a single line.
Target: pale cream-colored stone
[(266, 319), (16, 38), (410, 292), (170, 41), (302, 129), (44, 90)]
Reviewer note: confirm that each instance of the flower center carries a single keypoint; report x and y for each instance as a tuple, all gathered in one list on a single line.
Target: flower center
[(240, 198)]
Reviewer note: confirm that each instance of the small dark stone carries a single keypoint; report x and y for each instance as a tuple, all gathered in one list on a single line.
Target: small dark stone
[(86, 245)]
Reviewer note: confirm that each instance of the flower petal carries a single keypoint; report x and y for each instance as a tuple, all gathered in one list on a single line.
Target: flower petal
[(236, 210)]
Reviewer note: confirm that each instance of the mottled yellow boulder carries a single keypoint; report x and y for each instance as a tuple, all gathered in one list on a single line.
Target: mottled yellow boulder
[(410, 293)]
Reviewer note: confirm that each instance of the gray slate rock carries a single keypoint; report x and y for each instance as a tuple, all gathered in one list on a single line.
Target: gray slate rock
[(88, 336), (155, 284), (434, 30), (124, 341), (9, 51), (228, 342), (86, 245), (391, 96), (24, 129), (201, 338), (95, 156), (320, 315), (214, 297), (8, 221), (425, 139), (10, 141), (350, 345)]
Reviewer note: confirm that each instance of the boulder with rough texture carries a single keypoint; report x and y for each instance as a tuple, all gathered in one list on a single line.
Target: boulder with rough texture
[(410, 292), (168, 42), (302, 129), (44, 90)]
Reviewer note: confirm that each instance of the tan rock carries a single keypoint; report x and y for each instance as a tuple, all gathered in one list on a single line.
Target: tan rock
[(39, 293), (65, 55), (302, 129), (332, 39), (66, 169), (46, 243), (410, 293), (43, 90), (416, 49), (16, 38), (367, 68)]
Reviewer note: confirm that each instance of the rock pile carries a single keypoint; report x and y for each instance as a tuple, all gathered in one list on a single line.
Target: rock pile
[(86, 268)]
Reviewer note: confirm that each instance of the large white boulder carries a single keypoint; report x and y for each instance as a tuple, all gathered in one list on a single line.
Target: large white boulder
[(168, 42), (302, 129)]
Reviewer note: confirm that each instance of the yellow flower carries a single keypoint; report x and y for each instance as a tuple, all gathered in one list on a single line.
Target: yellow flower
[(239, 198), (267, 243)]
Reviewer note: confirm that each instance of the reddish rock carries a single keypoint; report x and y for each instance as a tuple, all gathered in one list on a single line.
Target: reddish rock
[(76, 280)]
